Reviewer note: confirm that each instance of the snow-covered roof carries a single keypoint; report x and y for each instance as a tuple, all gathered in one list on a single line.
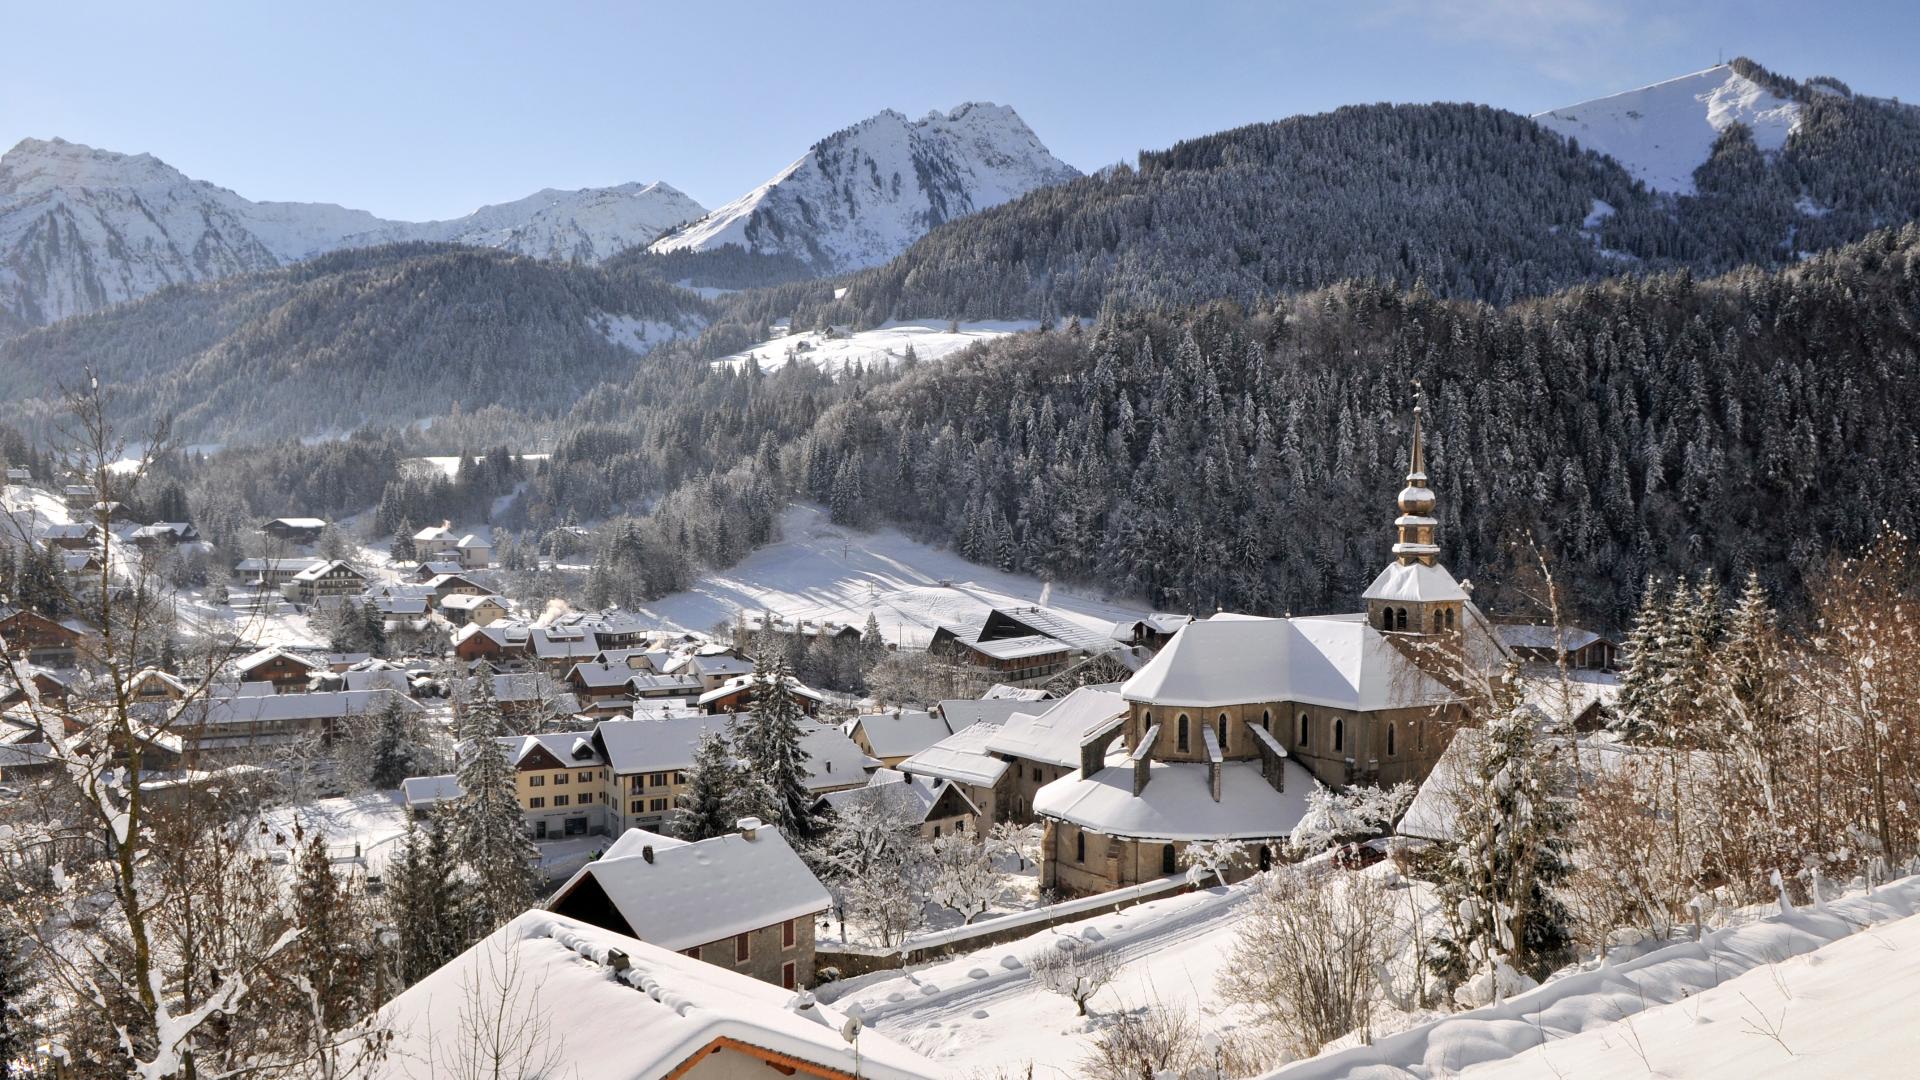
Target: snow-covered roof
[(275, 566), (749, 682), (469, 601), (573, 749), (377, 678), (1016, 648), (694, 893), (1003, 692), (966, 712), (433, 532), (962, 757), (911, 797), (1414, 582), (272, 652), (429, 790), (1178, 802), (322, 569), (562, 643), (646, 682), (1336, 661), (1054, 736), (723, 664), (647, 1020), (898, 735), (440, 569), (300, 522), (655, 745), (833, 760), (1525, 636), (601, 676), (322, 705), (1059, 626)]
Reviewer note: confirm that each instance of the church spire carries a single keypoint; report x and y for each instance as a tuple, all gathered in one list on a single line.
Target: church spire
[(1416, 522)]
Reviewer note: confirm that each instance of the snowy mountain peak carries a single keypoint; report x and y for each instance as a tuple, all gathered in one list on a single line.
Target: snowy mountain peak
[(1662, 133), (865, 193), (83, 228)]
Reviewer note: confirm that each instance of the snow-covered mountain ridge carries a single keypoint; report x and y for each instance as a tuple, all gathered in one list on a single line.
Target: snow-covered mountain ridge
[(82, 228), (1662, 133), (864, 194)]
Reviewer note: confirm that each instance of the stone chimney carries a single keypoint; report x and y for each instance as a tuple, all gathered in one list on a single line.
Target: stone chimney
[(749, 828), (616, 959), (647, 853)]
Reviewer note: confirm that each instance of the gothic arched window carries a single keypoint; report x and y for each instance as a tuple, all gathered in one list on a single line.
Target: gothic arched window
[(1449, 618), (1220, 730), (1080, 847), (1386, 618), (1303, 729), (1266, 720), (1400, 617), (1389, 740), (1339, 734)]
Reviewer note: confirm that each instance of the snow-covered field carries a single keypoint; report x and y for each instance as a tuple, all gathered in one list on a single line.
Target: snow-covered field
[(1663, 132), (821, 571), (1825, 990), (929, 339)]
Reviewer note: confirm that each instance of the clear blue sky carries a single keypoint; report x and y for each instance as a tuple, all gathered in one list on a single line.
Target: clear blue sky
[(415, 110)]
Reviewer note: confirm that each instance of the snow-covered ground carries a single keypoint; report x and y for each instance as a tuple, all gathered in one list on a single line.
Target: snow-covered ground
[(1821, 991), (1661, 133), (930, 339), (822, 571), (982, 1010)]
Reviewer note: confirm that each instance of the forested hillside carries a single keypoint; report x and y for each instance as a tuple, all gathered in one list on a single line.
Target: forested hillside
[(1474, 202), (383, 336), (1214, 458)]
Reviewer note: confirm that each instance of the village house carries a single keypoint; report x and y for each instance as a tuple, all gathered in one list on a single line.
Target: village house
[(964, 760), (459, 609), (935, 807), (18, 474), (1021, 644), (649, 757), (502, 643), (1585, 650), (436, 543), (714, 665), (329, 578), (165, 534), (639, 1009), (895, 736), (1151, 632), (80, 564), (1231, 722), (475, 551), (254, 721), (744, 901), (602, 689), (79, 536), (1044, 746), (294, 530), (113, 513), (52, 643), (612, 629), (428, 570), (47, 686), (272, 573), (287, 672), (738, 694), (558, 648), (78, 497), (441, 586), (153, 685)]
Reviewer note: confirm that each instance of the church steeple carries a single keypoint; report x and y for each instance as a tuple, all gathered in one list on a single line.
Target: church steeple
[(1415, 594), (1416, 522)]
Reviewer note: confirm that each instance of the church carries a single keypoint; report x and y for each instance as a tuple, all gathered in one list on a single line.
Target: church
[(1231, 724)]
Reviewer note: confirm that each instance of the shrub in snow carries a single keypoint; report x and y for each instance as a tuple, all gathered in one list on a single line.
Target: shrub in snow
[(1154, 1041), (1073, 969), (1491, 984)]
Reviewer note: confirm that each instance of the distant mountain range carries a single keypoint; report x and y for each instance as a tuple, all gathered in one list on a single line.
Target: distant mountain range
[(82, 229), (860, 196)]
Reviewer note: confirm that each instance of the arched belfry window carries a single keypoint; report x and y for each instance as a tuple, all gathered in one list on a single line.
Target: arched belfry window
[(1220, 730), (1389, 740), (1436, 622), (1080, 847), (1449, 618), (1266, 720), (1400, 617), (1386, 618), (1183, 732), (1339, 734), (1303, 729)]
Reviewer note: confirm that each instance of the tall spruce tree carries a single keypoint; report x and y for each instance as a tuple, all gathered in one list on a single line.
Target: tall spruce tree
[(490, 837), (426, 901), (1497, 879), (332, 955), (712, 803), (395, 741), (771, 743)]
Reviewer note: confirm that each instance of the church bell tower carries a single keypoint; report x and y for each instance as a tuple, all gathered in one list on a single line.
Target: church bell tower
[(1415, 594)]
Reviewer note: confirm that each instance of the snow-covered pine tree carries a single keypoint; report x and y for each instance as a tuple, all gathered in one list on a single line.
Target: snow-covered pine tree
[(1497, 880), (711, 805), (770, 742), (490, 838), (16, 1038), (402, 547), (426, 901), (395, 743), (331, 955)]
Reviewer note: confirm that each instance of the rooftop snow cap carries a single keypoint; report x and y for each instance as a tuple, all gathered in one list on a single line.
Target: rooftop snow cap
[(749, 827)]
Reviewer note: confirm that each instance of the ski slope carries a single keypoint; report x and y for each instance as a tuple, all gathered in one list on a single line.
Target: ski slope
[(1662, 133), (886, 344), (822, 571)]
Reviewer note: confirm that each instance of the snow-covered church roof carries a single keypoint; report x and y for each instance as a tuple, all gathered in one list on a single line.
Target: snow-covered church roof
[(1414, 582), (1054, 735), (1333, 660), (1178, 803)]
